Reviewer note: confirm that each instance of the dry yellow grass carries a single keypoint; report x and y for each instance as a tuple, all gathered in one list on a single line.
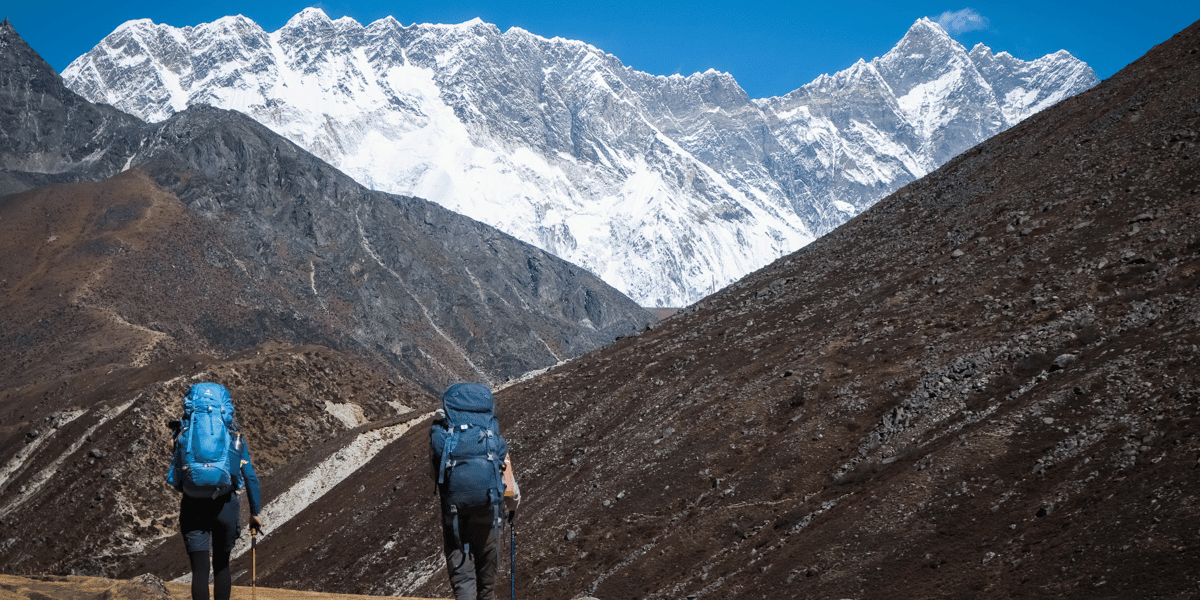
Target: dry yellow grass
[(96, 588)]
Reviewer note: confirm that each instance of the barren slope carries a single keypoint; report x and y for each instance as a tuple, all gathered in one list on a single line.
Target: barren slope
[(984, 387)]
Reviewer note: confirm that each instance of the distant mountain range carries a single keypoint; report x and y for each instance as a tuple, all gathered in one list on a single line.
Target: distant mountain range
[(668, 188)]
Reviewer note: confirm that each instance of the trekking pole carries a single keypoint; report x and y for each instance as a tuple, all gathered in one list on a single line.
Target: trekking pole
[(253, 565), (512, 555)]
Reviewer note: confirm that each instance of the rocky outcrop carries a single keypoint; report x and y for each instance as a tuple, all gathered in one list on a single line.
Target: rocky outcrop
[(442, 296), (66, 138)]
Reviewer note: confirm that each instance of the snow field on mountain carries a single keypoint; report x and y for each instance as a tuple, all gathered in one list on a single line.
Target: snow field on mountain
[(924, 105), (668, 188)]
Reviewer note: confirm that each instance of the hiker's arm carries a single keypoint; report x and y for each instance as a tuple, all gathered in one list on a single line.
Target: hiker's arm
[(435, 457), (435, 463), (250, 479)]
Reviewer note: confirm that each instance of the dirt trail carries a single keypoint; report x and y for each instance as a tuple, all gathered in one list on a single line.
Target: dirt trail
[(96, 588), (181, 591)]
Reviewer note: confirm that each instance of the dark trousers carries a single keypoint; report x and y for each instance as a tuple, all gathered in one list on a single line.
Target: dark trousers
[(210, 524), (472, 556)]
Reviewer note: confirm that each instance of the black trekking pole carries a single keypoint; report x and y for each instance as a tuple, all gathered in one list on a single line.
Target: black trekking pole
[(253, 565), (512, 555)]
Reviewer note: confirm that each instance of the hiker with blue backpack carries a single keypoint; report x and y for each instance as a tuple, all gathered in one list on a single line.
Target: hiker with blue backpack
[(210, 465), (469, 460)]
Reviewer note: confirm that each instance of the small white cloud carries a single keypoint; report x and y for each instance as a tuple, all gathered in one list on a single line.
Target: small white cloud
[(961, 21)]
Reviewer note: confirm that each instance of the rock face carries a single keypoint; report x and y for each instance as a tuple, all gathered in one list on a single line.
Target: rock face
[(668, 188), (59, 141), (445, 297), (986, 385)]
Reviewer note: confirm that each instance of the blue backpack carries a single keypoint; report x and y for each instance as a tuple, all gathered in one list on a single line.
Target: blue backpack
[(204, 464), (470, 448)]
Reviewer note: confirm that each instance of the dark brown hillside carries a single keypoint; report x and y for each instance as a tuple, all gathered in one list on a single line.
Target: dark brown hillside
[(116, 273), (114, 300), (83, 458), (987, 386)]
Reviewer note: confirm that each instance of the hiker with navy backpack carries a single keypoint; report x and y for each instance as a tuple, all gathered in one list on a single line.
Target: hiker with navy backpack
[(468, 457), (210, 466)]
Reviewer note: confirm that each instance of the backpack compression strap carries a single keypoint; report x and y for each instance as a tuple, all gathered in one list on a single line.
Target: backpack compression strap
[(446, 451)]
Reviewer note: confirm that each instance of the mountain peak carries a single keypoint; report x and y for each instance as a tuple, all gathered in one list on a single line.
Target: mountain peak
[(925, 54), (134, 24), (315, 27), (925, 43), (65, 121), (477, 25), (32, 67), (926, 27), (312, 13), (230, 26), (388, 21), (711, 73), (308, 17)]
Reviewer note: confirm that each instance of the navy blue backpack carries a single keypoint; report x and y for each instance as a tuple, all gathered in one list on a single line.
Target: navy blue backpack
[(468, 449), (204, 464)]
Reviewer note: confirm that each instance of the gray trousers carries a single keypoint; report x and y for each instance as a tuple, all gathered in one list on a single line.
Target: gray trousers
[(472, 541)]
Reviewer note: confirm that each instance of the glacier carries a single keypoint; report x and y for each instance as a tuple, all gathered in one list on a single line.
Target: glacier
[(666, 187)]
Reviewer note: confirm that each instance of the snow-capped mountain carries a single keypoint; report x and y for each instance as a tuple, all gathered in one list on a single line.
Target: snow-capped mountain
[(666, 187)]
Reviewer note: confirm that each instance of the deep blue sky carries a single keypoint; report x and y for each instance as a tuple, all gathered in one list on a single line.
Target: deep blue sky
[(771, 48)]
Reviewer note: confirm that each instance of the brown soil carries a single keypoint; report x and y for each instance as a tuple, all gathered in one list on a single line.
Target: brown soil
[(663, 313)]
